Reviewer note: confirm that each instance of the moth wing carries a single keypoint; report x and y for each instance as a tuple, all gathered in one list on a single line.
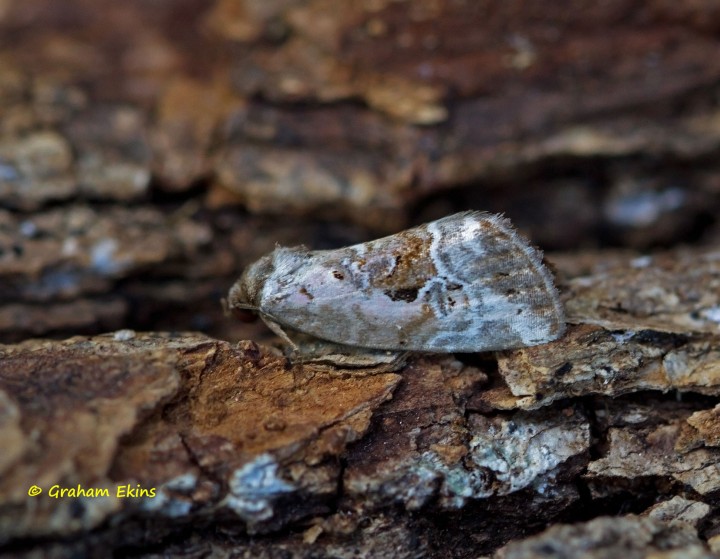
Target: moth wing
[(465, 283)]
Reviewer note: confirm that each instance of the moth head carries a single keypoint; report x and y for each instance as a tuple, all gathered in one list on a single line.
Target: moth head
[(244, 298)]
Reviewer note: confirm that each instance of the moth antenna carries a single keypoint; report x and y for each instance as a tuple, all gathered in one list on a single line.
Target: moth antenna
[(225, 307), (243, 306)]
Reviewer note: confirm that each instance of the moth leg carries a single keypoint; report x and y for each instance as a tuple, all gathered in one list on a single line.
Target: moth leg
[(306, 349), (278, 331), (324, 353)]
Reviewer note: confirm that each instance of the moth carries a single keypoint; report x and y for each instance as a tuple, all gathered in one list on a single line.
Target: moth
[(464, 283)]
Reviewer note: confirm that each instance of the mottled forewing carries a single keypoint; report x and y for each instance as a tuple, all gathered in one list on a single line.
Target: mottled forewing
[(464, 283)]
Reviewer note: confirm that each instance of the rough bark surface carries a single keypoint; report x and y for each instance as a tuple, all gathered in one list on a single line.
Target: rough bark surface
[(149, 151)]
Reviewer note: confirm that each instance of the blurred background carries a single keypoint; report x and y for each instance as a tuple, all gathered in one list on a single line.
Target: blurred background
[(150, 150)]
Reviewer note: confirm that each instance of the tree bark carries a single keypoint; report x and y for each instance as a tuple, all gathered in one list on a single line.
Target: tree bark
[(149, 151)]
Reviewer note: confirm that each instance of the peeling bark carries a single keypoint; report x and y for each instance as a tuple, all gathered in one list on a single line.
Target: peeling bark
[(149, 151)]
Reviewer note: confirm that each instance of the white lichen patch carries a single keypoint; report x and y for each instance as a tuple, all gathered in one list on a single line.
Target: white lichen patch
[(641, 208), (431, 475), (622, 337), (28, 229), (124, 335), (419, 480), (712, 314), (459, 484), (254, 487), (170, 498), (104, 259), (641, 262), (517, 452), (183, 482), (506, 455)]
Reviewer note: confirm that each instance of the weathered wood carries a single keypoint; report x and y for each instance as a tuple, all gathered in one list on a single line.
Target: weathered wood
[(236, 436), (149, 151)]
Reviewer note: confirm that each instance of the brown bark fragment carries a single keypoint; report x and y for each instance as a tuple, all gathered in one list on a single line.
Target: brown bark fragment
[(647, 441), (242, 434), (648, 329), (239, 434), (258, 84), (674, 292), (629, 536), (238, 431), (146, 152), (59, 265), (703, 428), (421, 443), (71, 435), (679, 509)]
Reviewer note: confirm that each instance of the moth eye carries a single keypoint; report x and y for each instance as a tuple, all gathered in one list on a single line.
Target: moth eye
[(338, 275), (244, 315)]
